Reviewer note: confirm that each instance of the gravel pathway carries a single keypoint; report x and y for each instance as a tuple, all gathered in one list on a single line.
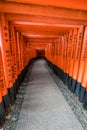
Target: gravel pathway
[(76, 106), (13, 117), (44, 107), (72, 100)]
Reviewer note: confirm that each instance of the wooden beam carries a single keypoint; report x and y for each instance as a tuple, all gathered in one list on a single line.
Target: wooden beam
[(17, 8), (43, 33), (38, 31), (43, 19), (43, 36), (41, 28), (44, 25), (74, 4), (28, 32), (41, 40)]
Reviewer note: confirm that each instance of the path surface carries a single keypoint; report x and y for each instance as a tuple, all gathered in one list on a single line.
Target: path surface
[(44, 106)]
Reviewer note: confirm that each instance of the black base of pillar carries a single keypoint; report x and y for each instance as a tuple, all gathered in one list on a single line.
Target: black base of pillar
[(77, 90), (19, 79), (63, 77), (82, 94), (50, 64), (69, 82), (6, 103), (85, 102), (66, 79), (55, 69), (73, 85), (58, 72), (16, 88), (11, 92), (61, 74), (17, 84), (2, 115)]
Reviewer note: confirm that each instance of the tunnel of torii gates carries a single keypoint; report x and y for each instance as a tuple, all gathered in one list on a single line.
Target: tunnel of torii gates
[(54, 30)]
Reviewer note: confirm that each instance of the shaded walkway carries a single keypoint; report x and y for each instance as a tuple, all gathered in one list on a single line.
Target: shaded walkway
[(44, 106)]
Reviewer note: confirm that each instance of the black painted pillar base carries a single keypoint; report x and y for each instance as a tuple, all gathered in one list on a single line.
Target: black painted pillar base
[(58, 72), (66, 79), (73, 85), (70, 82), (20, 79), (6, 103), (19, 82), (16, 88), (63, 77), (50, 64), (82, 94), (2, 115), (61, 74), (77, 90), (55, 69), (85, 102), (11, 92)]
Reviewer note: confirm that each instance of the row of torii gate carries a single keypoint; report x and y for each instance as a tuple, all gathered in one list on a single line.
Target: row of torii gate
[(63, 46)]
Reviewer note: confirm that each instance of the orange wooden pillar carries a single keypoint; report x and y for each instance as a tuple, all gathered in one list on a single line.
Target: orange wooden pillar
[(17, 35), (73, 48), (65, 44), (19, 44), (62, 58), (3, 93), (27, 52), (20, 62), (82, 72), (6, 57), (46, 51), (77, 57), (51, 52), (65, 57), (48, 54), (21, 57), (28, 49), (59, 53), (4, 89), (84, 83), (56, 52), (56, 69), (59, 57), (55, 57), (31, 52), (13, 49), (68, 55)]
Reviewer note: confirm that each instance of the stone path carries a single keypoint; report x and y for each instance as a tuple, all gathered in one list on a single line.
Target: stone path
[(44, 107)]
